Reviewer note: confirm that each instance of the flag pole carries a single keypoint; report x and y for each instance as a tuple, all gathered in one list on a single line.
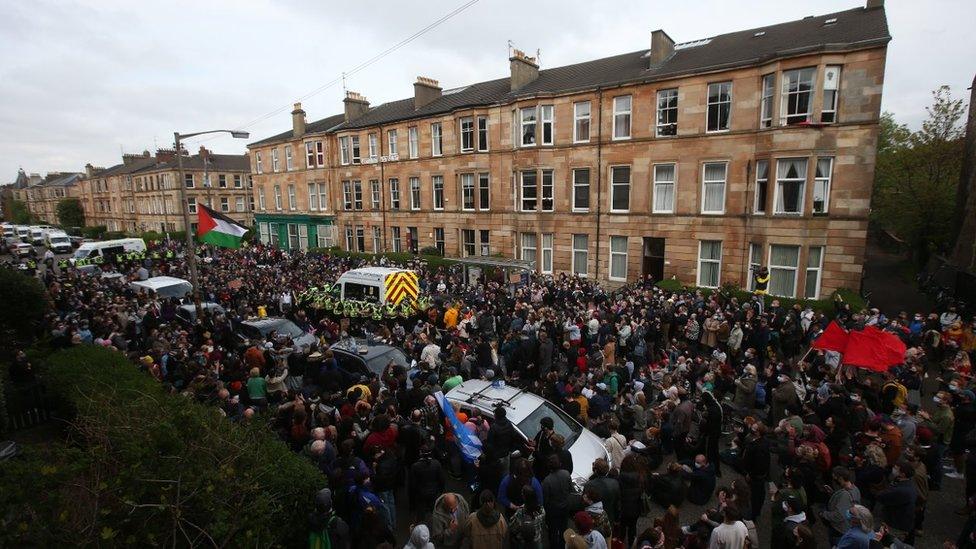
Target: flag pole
[(191, 255)]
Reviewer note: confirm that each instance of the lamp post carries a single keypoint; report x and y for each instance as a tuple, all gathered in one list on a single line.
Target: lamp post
[(191, 257)]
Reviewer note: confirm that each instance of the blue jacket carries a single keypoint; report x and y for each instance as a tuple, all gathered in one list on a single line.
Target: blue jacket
[(855, 538)]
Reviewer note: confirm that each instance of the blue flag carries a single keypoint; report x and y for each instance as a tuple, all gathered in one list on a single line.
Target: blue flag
[(469, 444)]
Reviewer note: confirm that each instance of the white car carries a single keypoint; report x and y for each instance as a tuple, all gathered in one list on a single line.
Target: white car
[(524, 410)]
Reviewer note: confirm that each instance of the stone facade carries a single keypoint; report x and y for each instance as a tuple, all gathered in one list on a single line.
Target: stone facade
[(811, 253)]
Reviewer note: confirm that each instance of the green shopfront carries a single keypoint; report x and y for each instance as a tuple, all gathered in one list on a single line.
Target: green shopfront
[(296, 232)]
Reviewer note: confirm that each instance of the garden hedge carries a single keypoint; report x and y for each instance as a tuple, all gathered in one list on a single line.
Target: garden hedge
[(825, 305), (143, 467)]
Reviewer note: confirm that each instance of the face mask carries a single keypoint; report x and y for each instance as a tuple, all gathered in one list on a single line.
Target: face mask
[(698, 465), (937, 400), (954, 388)]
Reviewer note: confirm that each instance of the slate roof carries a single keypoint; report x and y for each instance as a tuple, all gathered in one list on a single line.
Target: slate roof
[(59, 179), (215, 163), (854, 28)]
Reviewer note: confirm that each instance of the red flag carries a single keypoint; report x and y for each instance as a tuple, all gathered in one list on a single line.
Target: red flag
[(873, 349), (834, 338)]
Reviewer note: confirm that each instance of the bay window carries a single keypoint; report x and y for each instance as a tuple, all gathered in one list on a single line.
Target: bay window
[(581, 190), (791, 176), (528, 120), (713, 187), (581, 122), (831, 93), (580, 254), (821, 185), (621, 117), (719, 107), (546, 117), (619, 188), (618, 258), (664, 179), (667, 113), (783, 263), (709, 263), (529, 191), (796, 105), (766, 104), (467, 191), (762, 186)]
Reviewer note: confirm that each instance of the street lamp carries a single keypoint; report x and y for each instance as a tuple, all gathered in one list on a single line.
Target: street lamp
[(190, 248)]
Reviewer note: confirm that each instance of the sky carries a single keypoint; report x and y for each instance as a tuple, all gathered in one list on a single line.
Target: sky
[(85, 81)]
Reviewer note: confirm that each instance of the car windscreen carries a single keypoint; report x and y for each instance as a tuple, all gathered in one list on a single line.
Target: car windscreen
[(561, 423), (378, 363), (283, 327), (362, 292), (81, 254), (59, 240)]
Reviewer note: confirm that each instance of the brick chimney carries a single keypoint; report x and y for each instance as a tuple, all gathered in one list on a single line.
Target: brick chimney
[(165, 155), (871, 4), (355, 105), (205, 152), (524, 69), (89, 170), (298, 121), (131, 158), (662, 46), (425, 90)]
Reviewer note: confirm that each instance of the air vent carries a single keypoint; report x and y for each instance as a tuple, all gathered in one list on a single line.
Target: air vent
[(760, 33), (830, 21)]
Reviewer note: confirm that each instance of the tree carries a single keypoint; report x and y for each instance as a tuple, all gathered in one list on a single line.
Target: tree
[(19, 213), (916, 176), (24, 305), (70, 213)]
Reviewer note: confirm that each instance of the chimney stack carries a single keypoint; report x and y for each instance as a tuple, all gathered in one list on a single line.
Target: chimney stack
[(524, 69), (130, 158), (871, 4), (298, 121), (204, 152), (165, 155), (355, 105), (662, 46), (425, 90), (89, 170)]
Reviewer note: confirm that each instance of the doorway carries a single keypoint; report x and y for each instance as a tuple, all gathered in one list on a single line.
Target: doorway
[(653, 258)]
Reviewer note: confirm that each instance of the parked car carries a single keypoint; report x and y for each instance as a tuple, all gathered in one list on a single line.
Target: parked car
[(257, 328), (525, 410), (357, 358), (163, 286), (187, 314), (22, 249)]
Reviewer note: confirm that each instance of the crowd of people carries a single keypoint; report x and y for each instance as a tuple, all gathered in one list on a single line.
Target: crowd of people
[(705, 401)]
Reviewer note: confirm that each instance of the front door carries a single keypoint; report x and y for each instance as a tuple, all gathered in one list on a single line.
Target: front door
[(653, 258)]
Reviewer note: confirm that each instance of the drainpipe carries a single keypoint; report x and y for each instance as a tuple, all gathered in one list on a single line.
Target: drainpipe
[(599, 175), (382, 180)]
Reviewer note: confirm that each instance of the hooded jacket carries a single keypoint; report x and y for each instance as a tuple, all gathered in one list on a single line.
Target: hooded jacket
[(419, 538), (487, 529), (442, 535)]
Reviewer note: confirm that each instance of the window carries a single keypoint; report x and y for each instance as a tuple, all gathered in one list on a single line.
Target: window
[(413, 145), (346, 195), (713, 187), (188, 180), (325, 236), (755, 262), (391, 143), (313, 197), (377, 239), (529, 247), (394, 193), (303, 237), (467, 191), (791, 174), (414, 193), (436, 139), (580, 253), (485, 242), (292, 203), (274, 159), (374, 194), (289, 160), (261, 199), (664, 188), (581, 122), (618, 258), (395, 236), (581, 190), (467, 242), (349, 239), (263, 231), (360, 238), (709, 263), (814, 268), (762, 186), (372, 146), (257, 162), (467, 134), (831, 92), (412, 241), (528, 117), (547, 191), (484, 192), (357, 194), (344, 150), (530, 191), (437, 182), (619, 188), (222, 181), (515, 128), (237, 182), (355, 149), (796, 105), (621, 117), (309, 155), (292, 236), (439, 239), (482, 133), (323, 198), (191, 205), (783, 262), (719, 106), (277, 196), (545, 114), (821, 185), (667, 112), (547, 253), (766, 104)]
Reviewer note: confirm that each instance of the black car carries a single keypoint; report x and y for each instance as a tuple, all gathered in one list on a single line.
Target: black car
[(258, 328), (359, 358)]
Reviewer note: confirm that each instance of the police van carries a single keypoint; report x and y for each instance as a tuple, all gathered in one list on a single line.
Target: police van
[(107, 249), (371, 284), (57, 241), (37, 234)]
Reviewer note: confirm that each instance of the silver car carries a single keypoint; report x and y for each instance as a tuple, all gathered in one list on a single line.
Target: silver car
[(257, 328)]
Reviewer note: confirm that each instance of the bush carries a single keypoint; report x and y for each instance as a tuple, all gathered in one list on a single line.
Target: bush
[(25, 303), (825, 305), (397, 257), (431, 250), (143, 467), (95, 232)]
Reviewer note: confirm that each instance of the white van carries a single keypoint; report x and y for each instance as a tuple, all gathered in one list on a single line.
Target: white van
[(109, 248), (57, 241), (366, 284), (163, 286), (8, 229), (23, 233), (37, 234)]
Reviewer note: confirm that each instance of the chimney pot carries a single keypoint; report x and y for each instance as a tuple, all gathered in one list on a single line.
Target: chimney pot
[(355, 105), (662, 46), (871, 4), (524, 69), (425, 91), (298, 121)]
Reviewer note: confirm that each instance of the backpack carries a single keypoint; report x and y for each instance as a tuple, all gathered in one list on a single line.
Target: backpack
[(760, 394), (321, 539)]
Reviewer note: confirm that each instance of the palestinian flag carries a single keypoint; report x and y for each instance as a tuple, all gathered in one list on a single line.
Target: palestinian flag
[(218, 229)]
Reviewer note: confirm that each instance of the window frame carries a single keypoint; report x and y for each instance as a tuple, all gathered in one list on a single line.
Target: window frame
[(534, 122), (586, 255), (575, 207), (357, 195), (292, 198), (614, 185), (547, 250), (777, 191), (790, 97), (718, 104), (466, 134), (436, 139), (550, 122), (323, 189), (625, 253), (413, 142), (289, 159), (438, 194), (818, 270), (616, 113), (356, 152), (375, 194), (767, 94), (827, 182), (313, 197), (414, 184), (579, 120), (467, 184), (344, 150), (277, 198), (262, 199), (309, 154), (704, 183), (835, 96), (372, 146), (772, 268), (347, 195), (274, 160), (534, 247), (392, 146), (721, 253), (655, 208), (377, 239), (483, 137), (547, 191), (394, 186), (395, 239), (756, 202), (440, 241), (658, 125), (755, 262), (468, 246), (535, 186), (484, 191)]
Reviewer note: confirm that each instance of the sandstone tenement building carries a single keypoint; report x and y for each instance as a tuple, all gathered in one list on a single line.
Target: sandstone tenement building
[(696, 160)]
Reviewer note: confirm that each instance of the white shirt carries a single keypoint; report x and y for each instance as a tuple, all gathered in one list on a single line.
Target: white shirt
[(595, 540), (729, 536)]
